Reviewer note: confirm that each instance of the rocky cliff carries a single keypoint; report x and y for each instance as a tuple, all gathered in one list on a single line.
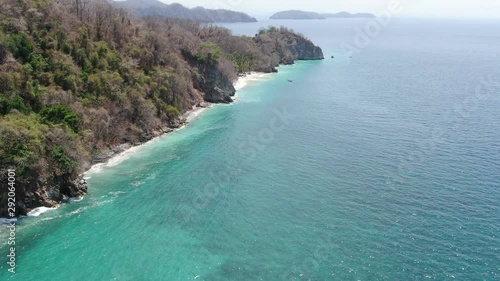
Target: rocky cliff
[(215, 86), (286, 46), (304, 49), (46, 192), (99, 81)]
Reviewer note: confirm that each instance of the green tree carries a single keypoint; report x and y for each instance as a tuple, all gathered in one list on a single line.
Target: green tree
[(6, 105), (209, 52), (60, 114), (20, 46), (65, 163), (22, 140), (38, 63)]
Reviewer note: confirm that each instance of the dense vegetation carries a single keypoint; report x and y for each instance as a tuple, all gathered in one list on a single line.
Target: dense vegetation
[(79, 76)]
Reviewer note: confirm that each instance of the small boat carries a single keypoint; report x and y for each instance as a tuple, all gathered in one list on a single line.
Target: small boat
[(290, 80), (333, 57)]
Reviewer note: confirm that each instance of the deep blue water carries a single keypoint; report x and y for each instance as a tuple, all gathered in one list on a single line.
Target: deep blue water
[(383, 166)]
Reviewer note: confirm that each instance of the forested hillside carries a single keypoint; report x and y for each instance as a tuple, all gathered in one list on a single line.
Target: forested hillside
[(78, 77)]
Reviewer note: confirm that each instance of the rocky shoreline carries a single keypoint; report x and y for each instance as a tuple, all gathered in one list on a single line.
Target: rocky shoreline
[(80, 92), (52, 191), (107, 154), (62, 190)]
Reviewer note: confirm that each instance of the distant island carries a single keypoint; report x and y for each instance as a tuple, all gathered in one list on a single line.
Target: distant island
[(145, 8), (297, 15), (302, 15)]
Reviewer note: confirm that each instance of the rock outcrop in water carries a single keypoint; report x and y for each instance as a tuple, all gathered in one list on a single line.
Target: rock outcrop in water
[(287, 47), (306, 50), (48, 192), (80, 83)]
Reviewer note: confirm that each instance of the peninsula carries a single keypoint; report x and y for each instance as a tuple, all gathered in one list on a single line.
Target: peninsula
[(79, 81)]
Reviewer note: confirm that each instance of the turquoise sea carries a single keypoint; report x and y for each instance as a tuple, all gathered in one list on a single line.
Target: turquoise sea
[(383, 166)]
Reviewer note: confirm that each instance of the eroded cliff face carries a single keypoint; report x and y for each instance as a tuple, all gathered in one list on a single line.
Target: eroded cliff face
[(215, 86), (43, 192), (285, 47), (299, 48), (306, 50)]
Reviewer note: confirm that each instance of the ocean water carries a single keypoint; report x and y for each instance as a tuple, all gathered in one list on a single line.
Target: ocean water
[(383, 166)]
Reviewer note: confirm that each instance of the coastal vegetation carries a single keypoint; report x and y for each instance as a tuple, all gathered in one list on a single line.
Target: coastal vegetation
[(81, 77)]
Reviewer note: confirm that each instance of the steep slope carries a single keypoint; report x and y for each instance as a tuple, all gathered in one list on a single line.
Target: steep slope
[(80, 81), (287, 47)]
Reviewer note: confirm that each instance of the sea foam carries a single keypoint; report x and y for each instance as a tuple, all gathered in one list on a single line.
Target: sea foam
[(40, 210), (244, 80)]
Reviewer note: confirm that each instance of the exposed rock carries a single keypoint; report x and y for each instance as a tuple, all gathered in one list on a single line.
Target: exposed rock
[(204, 104), (49, 192), (268, 69), (215, 85), (306, 50), (121, 148), (102, 155), (287, 46)]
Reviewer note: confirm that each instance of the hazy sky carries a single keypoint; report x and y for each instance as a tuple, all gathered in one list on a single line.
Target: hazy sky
[(412, 8)]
